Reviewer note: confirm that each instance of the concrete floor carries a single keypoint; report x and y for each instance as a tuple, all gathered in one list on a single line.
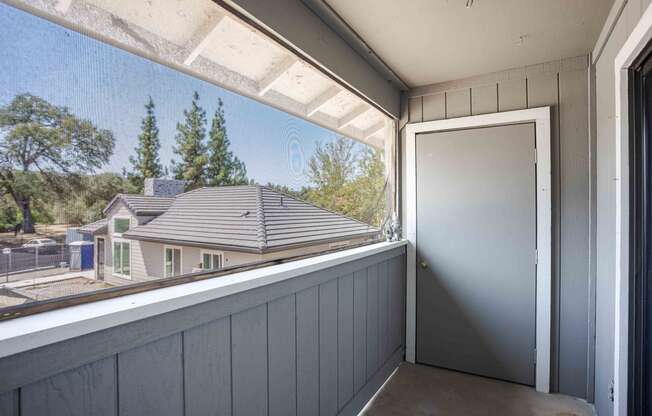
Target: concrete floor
[(422, 390)]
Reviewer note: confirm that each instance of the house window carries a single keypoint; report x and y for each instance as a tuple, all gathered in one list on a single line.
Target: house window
[(172, 261), (122, 258), (211, 260), (120, 225)]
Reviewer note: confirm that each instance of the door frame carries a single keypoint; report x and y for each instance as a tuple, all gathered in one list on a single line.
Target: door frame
[(635, 44), (541, 117), (99, 272)]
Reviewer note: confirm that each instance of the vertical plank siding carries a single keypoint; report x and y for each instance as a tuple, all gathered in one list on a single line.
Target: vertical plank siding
[(302, 351), (9, 403), (207, 367), (150, 379), (90, 389), (563, 85)]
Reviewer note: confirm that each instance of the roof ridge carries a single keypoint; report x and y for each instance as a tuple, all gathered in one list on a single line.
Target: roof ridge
[(315, 205), (261, 232)]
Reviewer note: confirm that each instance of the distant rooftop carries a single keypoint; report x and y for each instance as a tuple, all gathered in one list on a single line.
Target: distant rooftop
[(142, 204), (247, 218), (97, 227)]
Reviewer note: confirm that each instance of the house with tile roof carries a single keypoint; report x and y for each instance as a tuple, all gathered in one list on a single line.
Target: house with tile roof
[(167, 232)]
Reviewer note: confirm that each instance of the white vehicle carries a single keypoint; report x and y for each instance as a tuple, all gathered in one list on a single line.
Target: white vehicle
[(42, 244)]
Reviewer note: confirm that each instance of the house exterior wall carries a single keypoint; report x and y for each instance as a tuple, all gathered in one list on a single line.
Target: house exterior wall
[(147, 258), (138, 253), (627, 14), (563, 85)]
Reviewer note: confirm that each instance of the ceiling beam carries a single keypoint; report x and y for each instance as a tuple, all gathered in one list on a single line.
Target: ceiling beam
[(62, 6), (275, 74), (201, 38), (321, 100), (352, 116), (373, 130)]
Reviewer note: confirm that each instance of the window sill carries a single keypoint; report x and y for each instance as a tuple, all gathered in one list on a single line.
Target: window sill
[(121, 276), (29, 332)]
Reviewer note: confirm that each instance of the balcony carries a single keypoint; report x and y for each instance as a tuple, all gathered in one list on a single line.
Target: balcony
[(510, 143)]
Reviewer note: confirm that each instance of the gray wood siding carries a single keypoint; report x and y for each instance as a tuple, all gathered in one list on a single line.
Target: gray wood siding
[(563, 85), (9, 403), (297, 347)]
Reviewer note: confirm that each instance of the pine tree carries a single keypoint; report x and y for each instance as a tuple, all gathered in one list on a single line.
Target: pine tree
[(146, 163), (223, 168), (239, 172), (190, 146)]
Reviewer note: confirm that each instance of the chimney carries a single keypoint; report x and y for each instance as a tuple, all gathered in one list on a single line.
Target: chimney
[(163, 187)]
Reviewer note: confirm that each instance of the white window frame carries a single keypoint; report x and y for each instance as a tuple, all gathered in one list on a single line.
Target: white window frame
[(638, 39), (211, 252), (113, 271), (541, 117), (180, 248), (119, 217)]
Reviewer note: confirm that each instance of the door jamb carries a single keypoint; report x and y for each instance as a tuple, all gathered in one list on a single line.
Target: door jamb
[(541, 117), (635, 44)]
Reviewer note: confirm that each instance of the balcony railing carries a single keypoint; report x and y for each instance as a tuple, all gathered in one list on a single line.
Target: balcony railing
[(320, 340)]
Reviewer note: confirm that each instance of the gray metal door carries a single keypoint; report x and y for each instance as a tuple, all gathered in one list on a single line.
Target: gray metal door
[(476, 242)]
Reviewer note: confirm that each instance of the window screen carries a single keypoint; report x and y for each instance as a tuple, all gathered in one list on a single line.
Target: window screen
[(92, 136)]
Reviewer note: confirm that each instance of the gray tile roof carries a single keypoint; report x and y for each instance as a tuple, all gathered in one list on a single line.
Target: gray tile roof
[(247, 218), (97, 227), (142, 204)]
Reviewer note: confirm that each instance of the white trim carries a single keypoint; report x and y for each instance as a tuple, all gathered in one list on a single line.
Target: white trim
[(608, 28), (96, 266), (211, 252), (29, 332), (632, 48), (541, 117), (113, 272), (172, 247)]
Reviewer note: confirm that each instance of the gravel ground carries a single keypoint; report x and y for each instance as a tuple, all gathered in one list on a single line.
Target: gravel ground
[(50, 290)]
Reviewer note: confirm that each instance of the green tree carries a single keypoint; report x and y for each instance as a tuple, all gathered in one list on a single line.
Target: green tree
[(9, 215), (40, 143), (146, 164), (190, 146), (369, 187), (223, 167), (87, 205), (239, 172), (347, 181), (330, 169)]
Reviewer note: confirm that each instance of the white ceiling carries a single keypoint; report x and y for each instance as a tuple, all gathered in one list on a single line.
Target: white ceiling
[(431, 41)]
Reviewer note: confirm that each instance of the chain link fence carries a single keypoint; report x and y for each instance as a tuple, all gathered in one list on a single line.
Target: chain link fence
[(19, 261)]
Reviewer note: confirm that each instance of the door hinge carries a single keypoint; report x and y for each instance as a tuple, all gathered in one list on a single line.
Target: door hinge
[(535, 155), (536, 256), (535, 356), (611, 391)]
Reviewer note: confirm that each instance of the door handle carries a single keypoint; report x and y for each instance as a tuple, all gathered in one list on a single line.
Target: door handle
[(423, 265)]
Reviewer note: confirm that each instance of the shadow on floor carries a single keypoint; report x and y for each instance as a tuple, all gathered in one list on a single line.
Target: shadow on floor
[(422, 390)]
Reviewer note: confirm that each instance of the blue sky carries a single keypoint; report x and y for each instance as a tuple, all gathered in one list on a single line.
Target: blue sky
[(110, 87)]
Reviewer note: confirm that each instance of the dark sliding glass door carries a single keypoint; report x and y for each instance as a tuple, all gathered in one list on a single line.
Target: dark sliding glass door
[(640, 327)]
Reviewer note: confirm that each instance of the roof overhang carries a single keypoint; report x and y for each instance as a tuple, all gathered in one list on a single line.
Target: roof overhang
[(217, 45), (247, 249)]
